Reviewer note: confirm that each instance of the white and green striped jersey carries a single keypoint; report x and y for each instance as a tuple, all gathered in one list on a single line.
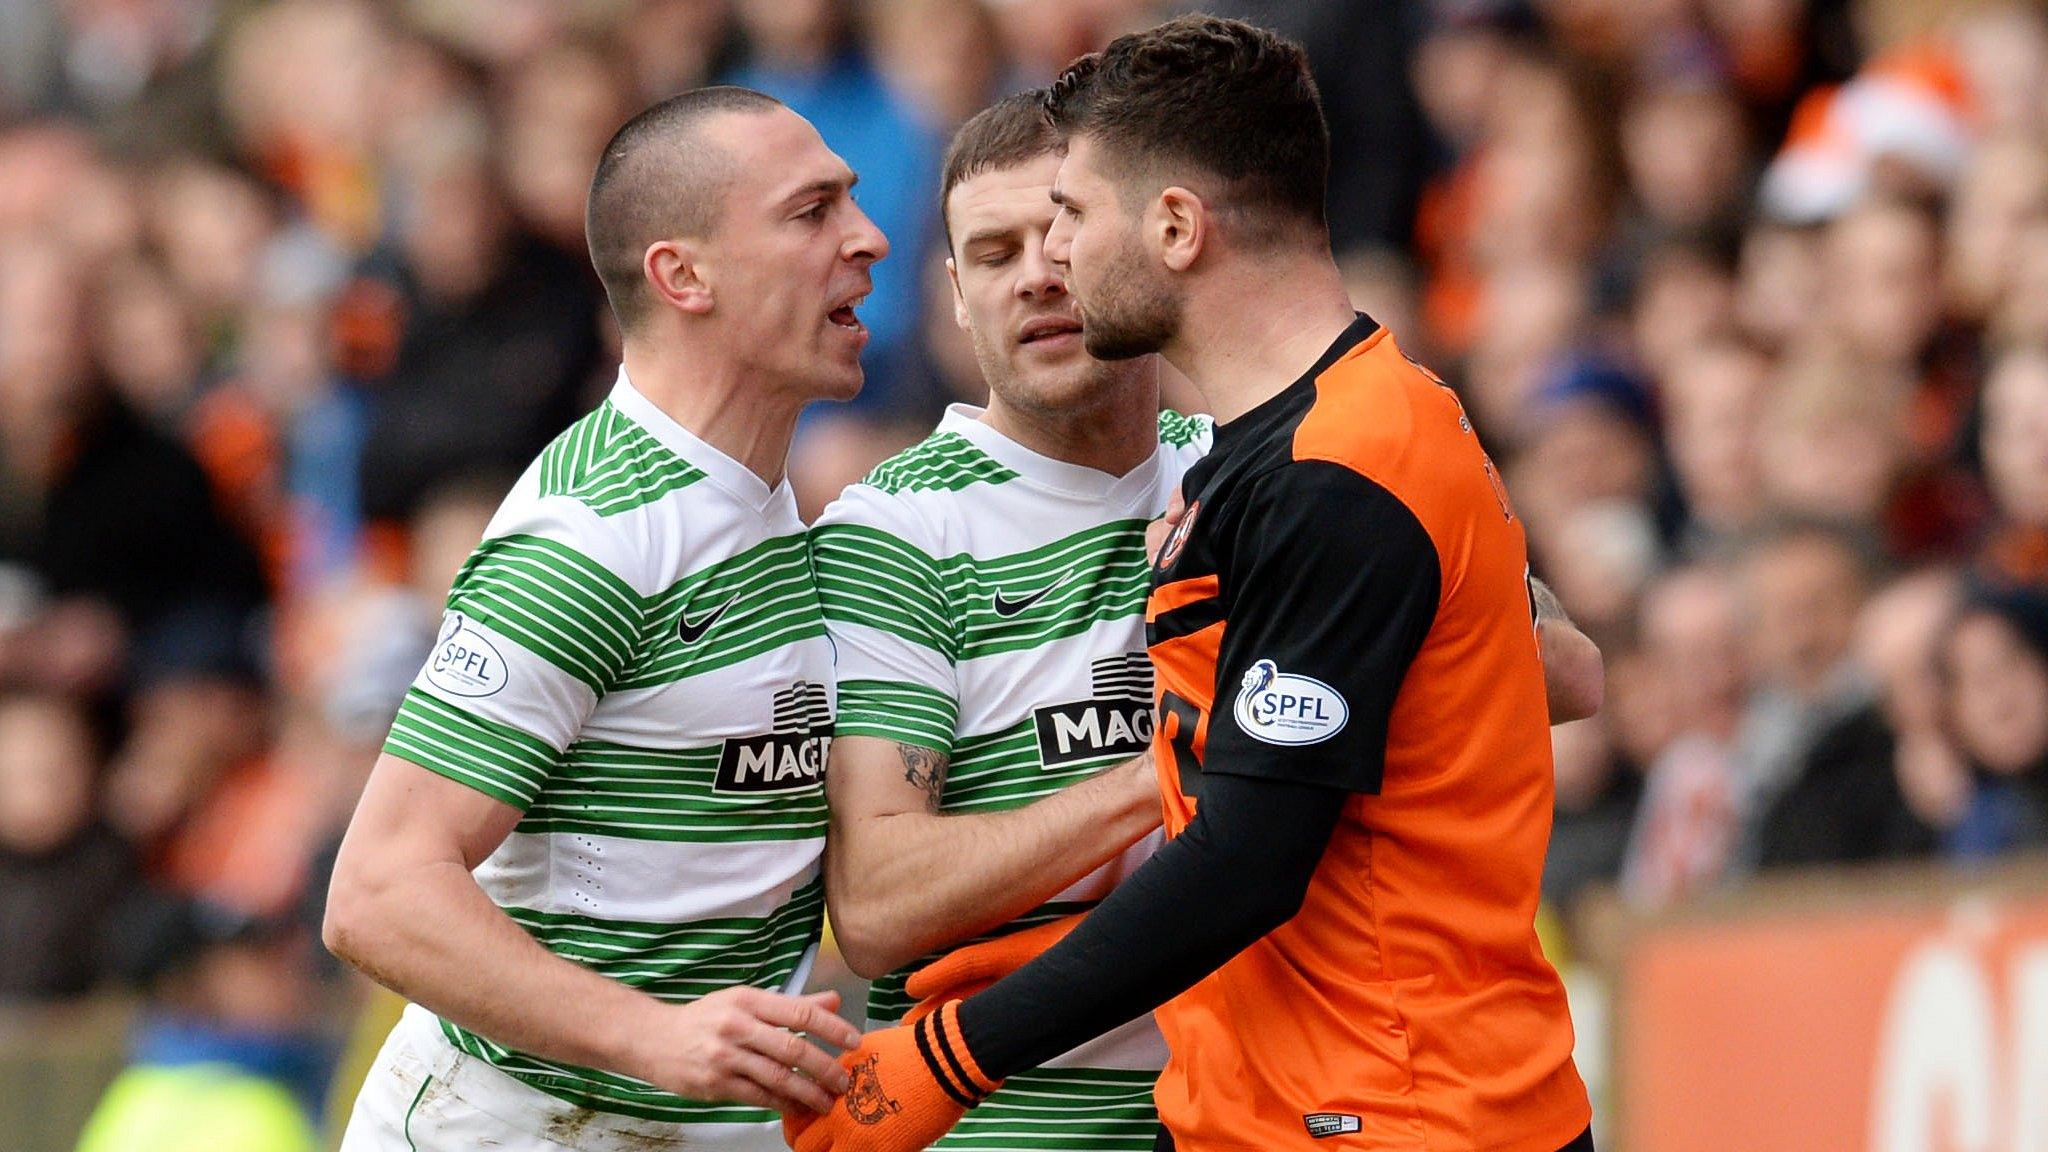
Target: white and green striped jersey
[(634, 658), (989, 602)]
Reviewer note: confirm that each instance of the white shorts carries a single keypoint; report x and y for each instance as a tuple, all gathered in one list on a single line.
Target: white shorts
[(422, 1095)]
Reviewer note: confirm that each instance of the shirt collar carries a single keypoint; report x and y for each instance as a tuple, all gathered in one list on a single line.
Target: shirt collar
[(1077, 479), (728, 473)]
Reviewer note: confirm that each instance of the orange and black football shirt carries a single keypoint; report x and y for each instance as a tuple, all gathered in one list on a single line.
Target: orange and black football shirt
[(1345, 604)]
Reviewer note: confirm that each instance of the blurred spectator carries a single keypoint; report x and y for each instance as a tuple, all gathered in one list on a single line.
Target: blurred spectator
[(1589, 482), (944, 56), (1695, 800), (211, 225), (222, 1060), (2004, 190), (1803, 590), (496, 342), (1778, 284), (672, 45), (1687, 152), (1832, 442), (61, 870), (196, 716), (1713, 408), (303, 84), (1880, 782), (2002, 48), (1994, 672), (1685, 293), (2015, 448), (73, 458), (146, 342), (557, 110)]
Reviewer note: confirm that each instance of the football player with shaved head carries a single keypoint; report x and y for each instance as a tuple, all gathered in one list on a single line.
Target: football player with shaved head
[(590, 853)]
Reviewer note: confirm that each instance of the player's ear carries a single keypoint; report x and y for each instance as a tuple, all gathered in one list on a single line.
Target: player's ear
[(960, 318), (1180, 225), (676, 273)]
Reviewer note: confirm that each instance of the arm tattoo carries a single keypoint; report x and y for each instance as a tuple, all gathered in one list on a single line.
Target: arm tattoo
[(926, 769), (1547, 606)]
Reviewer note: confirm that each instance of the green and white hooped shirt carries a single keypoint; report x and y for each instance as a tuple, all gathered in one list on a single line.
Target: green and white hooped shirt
[(635, 658), (989, 603)]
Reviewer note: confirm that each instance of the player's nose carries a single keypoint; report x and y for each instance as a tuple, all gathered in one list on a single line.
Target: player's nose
[(1039, 277), (1059, 239), (864, 242)]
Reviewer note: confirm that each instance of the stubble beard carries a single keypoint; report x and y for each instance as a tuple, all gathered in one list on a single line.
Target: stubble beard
[(1046, 392), (1136, 310)]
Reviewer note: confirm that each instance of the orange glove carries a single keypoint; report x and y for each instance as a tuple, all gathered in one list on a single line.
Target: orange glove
[(911, 1084), (964, 971)]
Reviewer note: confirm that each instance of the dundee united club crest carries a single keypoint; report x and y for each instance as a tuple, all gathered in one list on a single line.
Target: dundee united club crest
[(865, 1100)]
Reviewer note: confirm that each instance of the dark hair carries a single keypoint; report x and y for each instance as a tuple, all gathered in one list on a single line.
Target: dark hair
[(1003, 135), (1232, 99), (657, 178)]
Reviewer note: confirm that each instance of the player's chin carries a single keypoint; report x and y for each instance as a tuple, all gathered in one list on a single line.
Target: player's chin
[(836, 378), (1054, 385)]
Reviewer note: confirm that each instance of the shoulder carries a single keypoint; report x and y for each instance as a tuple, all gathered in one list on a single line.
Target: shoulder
[(1327, 516), (941, 462), (864, 510), (1394, 421), (571, 537), (611, 465)]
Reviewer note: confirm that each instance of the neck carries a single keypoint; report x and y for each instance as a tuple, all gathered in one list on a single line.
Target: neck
[(717, 402), (1115, 434), (1257, 339)]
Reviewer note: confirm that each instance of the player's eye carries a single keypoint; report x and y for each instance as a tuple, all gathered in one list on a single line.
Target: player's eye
[(814, 212)]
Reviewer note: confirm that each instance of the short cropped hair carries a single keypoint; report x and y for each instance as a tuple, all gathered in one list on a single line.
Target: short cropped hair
[(659, 178), (1010, 132), (1231, 99)]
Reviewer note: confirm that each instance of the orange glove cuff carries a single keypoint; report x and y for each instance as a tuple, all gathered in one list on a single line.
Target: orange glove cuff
[(945, 1052), (979, 965)]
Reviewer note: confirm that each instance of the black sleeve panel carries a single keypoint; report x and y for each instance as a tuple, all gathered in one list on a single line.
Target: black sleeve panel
[(1333, 585), (1239, 870)]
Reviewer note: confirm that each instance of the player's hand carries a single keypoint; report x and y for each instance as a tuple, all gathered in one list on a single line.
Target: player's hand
[(1157, 531), (964, 971), (910, 1085), (743, 1045)]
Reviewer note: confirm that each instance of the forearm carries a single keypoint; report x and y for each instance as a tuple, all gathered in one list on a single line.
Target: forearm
[(904, 884), (1239, 870), (404, 908), (429, 933), (1574, 674)]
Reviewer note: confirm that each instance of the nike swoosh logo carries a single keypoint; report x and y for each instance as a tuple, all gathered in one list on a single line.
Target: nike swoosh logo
[(690, 631), (1006, 607)]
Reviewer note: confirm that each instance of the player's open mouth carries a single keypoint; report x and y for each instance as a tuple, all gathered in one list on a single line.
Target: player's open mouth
[(844, 316), (1048, 328)]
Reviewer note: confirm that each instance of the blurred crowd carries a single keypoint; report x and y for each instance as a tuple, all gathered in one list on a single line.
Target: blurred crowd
[(1748, 297)]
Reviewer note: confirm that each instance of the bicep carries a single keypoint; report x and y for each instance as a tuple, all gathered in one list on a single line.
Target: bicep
[(410, 815), (870, 776), (1336, 586)]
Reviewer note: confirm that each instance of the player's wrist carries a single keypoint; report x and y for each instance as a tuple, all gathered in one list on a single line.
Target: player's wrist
[(626, 1036), (1137, 790), (943, 1045)]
